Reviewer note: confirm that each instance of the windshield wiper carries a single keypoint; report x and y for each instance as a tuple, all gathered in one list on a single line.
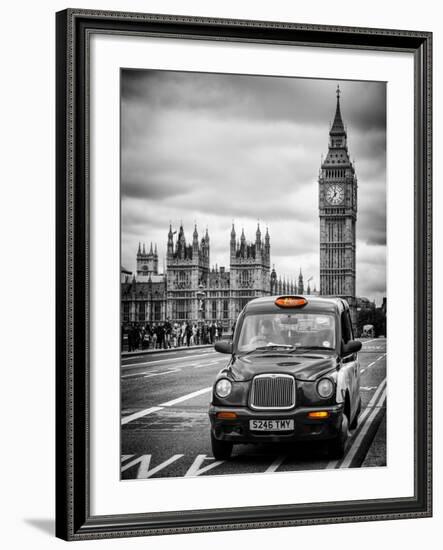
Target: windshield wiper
[(312, 347)]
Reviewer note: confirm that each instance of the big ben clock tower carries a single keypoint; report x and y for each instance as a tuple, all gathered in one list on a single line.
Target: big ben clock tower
[(338, 216)]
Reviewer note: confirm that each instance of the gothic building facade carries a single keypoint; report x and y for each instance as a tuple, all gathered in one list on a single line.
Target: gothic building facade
[(189, 290), (338, 216)]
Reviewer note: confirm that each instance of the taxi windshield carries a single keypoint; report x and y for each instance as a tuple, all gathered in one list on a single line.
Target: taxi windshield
[(287, 331)]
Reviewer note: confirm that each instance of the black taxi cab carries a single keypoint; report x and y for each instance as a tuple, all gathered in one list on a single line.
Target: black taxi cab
[(293, 376)]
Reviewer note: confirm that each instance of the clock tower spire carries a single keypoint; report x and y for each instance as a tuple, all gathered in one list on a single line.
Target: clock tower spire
[(338, 215)]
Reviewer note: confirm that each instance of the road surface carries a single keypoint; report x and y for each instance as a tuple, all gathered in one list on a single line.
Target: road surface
[(165, 425)]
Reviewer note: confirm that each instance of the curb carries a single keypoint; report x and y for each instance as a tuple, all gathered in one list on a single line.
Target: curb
[(366, 444), (169, 350)]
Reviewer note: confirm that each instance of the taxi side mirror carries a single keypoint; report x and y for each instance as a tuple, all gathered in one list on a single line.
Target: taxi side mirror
[(223, 346), (353, 346)]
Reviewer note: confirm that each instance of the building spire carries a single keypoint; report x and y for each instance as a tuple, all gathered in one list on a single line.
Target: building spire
[(195, 234), (337, 127), (300, 289)]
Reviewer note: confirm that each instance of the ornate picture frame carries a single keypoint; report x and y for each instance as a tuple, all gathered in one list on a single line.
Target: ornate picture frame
[(74, 29)]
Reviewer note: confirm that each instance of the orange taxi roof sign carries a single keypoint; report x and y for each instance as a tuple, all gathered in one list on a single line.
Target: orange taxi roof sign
[(291, 301)]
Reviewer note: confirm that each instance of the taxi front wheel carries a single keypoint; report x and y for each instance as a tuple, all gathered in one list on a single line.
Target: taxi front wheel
[(337, 447), (221, 449)]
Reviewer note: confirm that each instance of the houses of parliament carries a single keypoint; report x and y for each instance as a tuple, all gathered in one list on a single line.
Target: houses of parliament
[(190, 290)]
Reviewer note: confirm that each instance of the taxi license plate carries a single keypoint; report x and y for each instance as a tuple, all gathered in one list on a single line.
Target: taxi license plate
[(271, 425)]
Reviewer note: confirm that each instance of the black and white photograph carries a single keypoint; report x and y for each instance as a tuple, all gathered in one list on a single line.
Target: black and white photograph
[(253, 274)]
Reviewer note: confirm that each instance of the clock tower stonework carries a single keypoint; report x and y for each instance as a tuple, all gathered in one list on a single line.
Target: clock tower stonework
[(338, 216)]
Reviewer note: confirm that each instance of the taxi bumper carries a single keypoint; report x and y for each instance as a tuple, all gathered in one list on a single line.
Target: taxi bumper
[(239, 430)]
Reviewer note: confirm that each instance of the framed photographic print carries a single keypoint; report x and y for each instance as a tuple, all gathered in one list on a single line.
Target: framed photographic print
[(238, 203)]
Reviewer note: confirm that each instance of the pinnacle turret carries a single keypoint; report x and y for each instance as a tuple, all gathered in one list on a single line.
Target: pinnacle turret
[(338, 127), (258, 233)]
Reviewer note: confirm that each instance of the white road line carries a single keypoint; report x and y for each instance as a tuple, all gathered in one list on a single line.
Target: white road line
[(363, 417), (209, 364), (367, 341), (162, 373), (373, 363), (146, 412), (139, 414), (357, 442), (135, 374), (186, 397), (145, 461), (195, 469), (126, 457), (164, 360), (276, 464)]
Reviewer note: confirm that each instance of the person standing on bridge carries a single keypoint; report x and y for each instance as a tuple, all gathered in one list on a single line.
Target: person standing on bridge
[(188, 334), (168, 334)]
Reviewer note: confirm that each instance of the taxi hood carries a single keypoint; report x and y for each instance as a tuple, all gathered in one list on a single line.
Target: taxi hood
[(307, 366)]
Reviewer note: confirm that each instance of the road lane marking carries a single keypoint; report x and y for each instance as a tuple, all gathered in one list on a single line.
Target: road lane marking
[(195, 469), (276, 464), (162, 373), (124, 458), (135, 374), (139, 414), (142, 364), (215, 362), (361, 435), (367, 388), (186, 397), (362, 418), (150, 410), (373, 363), (367, 341), (145, 460)]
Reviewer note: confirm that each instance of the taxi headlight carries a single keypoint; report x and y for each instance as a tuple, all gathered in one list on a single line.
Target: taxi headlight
[(325, 388), (223, 388)]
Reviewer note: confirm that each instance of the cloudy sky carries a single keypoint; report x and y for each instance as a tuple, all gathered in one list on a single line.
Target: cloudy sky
[(213, 149)]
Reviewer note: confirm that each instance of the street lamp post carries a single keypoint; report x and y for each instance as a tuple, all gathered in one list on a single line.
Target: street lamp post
[(201, 297)]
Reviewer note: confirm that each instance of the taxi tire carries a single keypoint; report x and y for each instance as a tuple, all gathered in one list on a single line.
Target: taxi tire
[(221, 449), (337, 447)]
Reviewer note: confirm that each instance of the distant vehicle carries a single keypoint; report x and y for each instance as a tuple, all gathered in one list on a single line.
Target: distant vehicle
[(368, 331), (293, 375)]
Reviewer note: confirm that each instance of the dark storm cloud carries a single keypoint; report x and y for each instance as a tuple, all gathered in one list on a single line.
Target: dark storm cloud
[(256, 97), (211, 148)]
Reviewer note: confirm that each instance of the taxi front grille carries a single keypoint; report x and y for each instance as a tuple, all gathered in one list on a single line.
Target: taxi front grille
[(272, 391)]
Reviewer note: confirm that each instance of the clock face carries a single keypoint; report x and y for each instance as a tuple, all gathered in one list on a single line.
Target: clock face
[(335, 194)]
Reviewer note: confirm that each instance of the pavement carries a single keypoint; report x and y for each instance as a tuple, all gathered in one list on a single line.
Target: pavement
[(376, 455), (165, 425)]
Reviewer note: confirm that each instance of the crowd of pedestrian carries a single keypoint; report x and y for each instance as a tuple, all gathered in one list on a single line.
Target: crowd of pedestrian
[(166, 335)]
